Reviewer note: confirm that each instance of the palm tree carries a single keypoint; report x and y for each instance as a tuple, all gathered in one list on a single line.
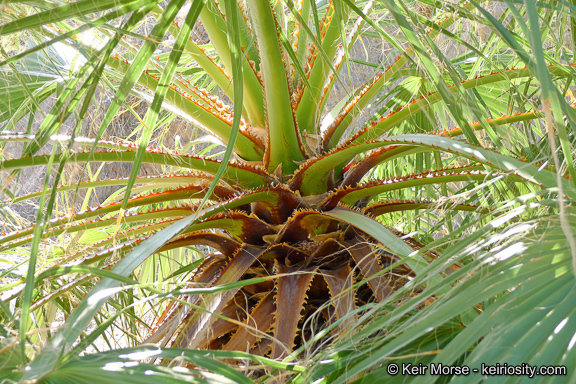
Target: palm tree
[(296, 234)]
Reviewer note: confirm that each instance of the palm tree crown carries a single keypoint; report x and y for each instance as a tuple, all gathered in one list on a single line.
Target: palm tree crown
[(290, 232)]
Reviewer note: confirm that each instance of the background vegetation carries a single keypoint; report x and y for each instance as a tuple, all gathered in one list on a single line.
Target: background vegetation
[(413, 205)]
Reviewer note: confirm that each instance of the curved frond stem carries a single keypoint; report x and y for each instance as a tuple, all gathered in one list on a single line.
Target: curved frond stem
[(249, 176), (285, 145)]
